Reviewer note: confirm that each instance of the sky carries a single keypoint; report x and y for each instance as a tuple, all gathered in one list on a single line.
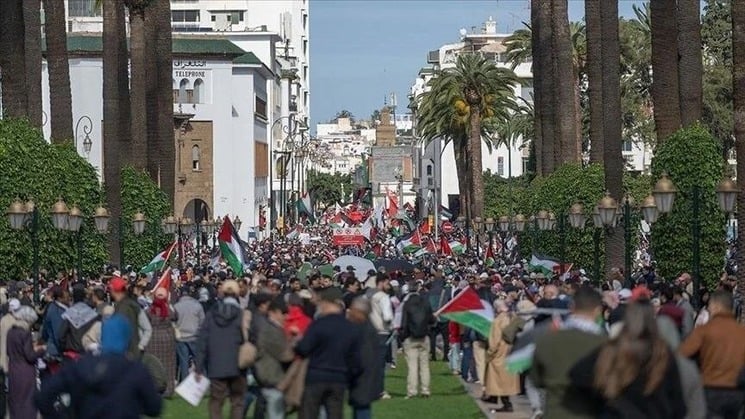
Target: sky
[(361, 51)]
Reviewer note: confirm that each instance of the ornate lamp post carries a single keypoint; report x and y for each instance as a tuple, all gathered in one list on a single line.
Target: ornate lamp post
[(477, 225), (26, 216)]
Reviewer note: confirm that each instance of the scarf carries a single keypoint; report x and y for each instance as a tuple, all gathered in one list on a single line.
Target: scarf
[(159, 308), (584, 325)]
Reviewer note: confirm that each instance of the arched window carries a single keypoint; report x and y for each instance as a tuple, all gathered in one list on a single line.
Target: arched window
[(198, 91), (195, 156), (182, 91), (429, 170)]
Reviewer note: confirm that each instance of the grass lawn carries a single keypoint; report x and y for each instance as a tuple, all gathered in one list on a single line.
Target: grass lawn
[(449, 399)]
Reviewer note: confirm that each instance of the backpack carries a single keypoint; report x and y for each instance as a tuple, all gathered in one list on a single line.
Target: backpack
[(418, 319)]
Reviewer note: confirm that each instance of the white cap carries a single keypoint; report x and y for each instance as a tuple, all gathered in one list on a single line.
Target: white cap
[(624, 294), (14, 305)]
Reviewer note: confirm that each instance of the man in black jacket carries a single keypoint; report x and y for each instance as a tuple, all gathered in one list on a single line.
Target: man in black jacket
[(368, 386), (76, 322), (416, 321)]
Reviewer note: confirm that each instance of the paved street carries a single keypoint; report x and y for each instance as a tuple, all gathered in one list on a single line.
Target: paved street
[(522, 408)]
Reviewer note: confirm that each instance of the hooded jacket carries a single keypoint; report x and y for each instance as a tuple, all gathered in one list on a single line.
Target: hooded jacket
[(76, 322), (219, 339), (108, 385)]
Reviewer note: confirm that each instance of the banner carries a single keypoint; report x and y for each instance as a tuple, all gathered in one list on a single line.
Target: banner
[(348, 237)]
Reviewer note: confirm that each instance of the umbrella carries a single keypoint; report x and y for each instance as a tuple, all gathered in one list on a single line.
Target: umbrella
[(392, 265), (360, 265)]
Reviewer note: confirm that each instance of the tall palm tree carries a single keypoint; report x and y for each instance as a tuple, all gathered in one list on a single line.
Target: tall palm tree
[(738, 86), (595, 78), (60, 98), (613, 161), (32, 50), (166, 156), (459, 105), (691, 65), (665, 82), (13, 59), (565, 127), (543, 63), (138, 81)]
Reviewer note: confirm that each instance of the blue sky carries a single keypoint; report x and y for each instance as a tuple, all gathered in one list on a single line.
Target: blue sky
[(363, 50)]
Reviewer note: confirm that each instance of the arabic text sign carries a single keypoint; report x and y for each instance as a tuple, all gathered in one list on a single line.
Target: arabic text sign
[(348, 237)]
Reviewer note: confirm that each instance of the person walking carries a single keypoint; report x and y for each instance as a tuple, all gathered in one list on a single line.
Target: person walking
[(719, 346), (416, 321), (108, 385), (190, 316), (332, 347), (52, 324), (77, 321), (381, 316), (557, 352), (6, 323), (22, 356), (634, 375), (163, 341), (219, 341), (366, 388), (131, 310), (273, 356), (500, 383)]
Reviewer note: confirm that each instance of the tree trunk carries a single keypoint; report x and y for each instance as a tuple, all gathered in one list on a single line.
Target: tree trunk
[(60, 97), (613, 161), (32, 41), (113, 147), (166, 140), (665, 83), (538, 74), (594, 67), (138, 88), (13, 59), (545, 87), (476, 178), (565, 126), (461, 169), (691, 66), (738, 94), (151, 94)]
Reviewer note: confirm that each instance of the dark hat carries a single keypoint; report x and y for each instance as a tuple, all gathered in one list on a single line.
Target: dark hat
[(331, 295)]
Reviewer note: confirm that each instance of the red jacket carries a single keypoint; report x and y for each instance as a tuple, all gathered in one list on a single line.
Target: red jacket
[(453, 333), (296, 322)]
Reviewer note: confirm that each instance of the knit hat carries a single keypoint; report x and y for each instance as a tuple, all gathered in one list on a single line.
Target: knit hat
[(115, 335)]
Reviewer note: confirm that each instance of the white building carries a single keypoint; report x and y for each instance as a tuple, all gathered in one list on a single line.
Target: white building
[(344, 145), (220, 96)]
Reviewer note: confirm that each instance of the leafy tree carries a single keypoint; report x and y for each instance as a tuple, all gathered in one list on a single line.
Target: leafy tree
[(326, 188), (692, 158), (716, 36), (140, 193), (33, 169), (344, 114)]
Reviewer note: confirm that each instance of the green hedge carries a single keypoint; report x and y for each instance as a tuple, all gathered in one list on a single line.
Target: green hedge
[(692, 158)]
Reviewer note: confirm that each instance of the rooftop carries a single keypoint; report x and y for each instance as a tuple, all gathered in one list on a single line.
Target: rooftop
[(92, 43)]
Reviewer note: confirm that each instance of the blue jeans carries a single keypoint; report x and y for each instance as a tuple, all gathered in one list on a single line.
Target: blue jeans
[(360, 412), (454, 357), (466, 364), (184, 352), (275, 403), (384, 350)]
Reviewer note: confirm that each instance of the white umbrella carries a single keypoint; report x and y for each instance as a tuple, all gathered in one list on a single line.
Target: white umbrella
[(360, 265)]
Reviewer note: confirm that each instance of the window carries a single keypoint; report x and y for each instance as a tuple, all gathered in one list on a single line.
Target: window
[(526, 162), (83, 8), (429, 170), (236, 17), (627, 146), (500, 166), (260, 105), (195, 156), (198, 95), (185, 16), (182, 95)]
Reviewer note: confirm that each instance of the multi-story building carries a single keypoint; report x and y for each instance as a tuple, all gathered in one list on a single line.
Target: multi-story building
[(344, 144)]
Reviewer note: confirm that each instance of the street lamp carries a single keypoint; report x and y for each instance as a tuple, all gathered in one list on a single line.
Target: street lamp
[(576, 216), (60, 214), (477, 224), (27, 216), (75, 224), (664, 194), (649, 210), (87, 129), (607, 208), (727, 195)]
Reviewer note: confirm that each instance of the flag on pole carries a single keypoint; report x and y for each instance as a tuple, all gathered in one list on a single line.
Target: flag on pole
[(489, 259), (457, 247), (295, 233), (445, 213), (159, 260), (304, 207), (231, 247), (469, 310), (392, 204), (367, 228), (547, 265), (445, 246), (410, 243), (164, 281)]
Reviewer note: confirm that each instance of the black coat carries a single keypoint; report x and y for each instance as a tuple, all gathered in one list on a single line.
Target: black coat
[(218, 342), (367, 387), (106, 386)]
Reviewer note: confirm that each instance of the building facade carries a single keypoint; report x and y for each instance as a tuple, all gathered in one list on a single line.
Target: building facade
[(220, 122)]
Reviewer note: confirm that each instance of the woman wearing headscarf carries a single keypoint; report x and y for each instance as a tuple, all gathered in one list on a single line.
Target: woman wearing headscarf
[(634, 375), (22, 356), (163, 343), (500, 383)]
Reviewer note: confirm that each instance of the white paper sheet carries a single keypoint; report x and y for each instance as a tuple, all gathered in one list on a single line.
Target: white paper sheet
[(191, 390)]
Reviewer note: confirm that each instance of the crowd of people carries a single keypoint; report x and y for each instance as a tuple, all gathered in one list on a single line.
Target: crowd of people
[(275, 341)]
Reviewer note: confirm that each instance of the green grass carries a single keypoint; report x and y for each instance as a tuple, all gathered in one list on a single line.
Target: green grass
[(449, 399)]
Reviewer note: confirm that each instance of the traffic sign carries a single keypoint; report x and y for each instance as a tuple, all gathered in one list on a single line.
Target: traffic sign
[(447, 227)]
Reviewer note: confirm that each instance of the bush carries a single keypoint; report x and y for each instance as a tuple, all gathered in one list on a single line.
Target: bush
[(34, 169), (692, 158), (140, 193)]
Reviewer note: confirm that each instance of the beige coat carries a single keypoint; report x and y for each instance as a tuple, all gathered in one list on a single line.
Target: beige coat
[(498, 381)]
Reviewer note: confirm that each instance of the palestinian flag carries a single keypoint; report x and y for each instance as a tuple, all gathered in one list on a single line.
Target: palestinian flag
[(547, 265), (445, 246), (159, 261), (410, 243), (295, 233), (445, 214), (230, 247), (457, 247), (468, 310), (489, 262), (521, 360), (392, 204), (304, 207)]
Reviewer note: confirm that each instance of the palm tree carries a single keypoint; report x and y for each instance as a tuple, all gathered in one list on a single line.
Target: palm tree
[(738, 85), (595, 78), (565, 126), (543, 63), (60, 98), (32, 51), (690, 66), (665, 82), (163, 48), (138, 82), (459, 101), (12, 59)]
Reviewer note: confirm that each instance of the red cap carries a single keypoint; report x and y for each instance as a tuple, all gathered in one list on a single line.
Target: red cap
[(640, 293), (117, 284)]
